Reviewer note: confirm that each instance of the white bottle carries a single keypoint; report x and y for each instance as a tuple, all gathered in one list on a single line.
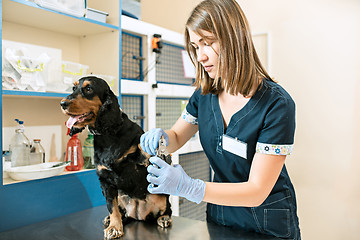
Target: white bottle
[(19, 147)]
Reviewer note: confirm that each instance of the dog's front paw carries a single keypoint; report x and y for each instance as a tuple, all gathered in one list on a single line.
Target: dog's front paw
[(164, 221), (113, 232), (106, 221)]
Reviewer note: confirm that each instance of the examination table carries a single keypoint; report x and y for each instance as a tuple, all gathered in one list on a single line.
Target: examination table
[(87, 225)]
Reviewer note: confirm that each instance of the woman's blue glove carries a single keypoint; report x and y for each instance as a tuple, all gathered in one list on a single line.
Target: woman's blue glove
[(174, 181), (149, 141)]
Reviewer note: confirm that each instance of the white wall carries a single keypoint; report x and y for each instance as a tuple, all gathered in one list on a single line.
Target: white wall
[(315, 55), (315, 46)]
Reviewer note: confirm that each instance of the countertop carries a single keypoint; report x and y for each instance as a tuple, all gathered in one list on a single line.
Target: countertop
[(87, 225)]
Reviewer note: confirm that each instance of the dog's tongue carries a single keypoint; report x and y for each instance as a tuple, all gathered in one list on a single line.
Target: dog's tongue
[(72, 120)]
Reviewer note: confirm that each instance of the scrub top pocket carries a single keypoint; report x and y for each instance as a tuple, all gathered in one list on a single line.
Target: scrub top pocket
[(277, 222), (273, 217)]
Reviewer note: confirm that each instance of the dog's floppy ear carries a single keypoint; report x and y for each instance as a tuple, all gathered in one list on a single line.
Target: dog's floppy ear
[(109, 119)]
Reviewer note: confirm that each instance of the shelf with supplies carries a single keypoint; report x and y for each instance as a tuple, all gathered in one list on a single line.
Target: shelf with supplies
[(64, 37), (30, 14)]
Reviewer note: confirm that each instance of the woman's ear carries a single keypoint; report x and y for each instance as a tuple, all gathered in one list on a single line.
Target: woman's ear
[(109, 118)]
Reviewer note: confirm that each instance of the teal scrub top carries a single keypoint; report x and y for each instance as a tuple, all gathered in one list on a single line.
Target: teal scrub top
[(266, 125)]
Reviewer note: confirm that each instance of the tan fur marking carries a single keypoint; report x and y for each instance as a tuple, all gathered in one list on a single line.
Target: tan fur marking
[(152, 204), (143, 152), (129, 204), (101, 167), (115, 228), (115, 216), (146, 155), (158, 203), (132, 149), (82, 105), (85, 83)]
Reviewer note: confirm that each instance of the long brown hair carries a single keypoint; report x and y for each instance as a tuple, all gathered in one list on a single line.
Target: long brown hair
[(239, 69)]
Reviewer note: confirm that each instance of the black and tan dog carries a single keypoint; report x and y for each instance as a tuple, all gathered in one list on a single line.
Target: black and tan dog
[(120, 163)]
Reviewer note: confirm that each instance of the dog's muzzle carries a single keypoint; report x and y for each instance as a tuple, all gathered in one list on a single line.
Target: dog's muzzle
[(64, 104)]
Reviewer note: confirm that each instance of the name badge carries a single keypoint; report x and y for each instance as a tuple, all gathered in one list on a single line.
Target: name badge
[(235, 146)]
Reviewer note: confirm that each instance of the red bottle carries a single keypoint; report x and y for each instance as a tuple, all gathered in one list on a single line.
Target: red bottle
[(74, 154)]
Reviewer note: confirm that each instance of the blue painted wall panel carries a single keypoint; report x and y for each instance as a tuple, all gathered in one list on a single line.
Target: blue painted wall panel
[(34, 201)]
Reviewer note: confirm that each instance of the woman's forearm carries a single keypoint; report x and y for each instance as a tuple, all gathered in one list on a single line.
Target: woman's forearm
[(179, 134), (244, 194), (173, 141)]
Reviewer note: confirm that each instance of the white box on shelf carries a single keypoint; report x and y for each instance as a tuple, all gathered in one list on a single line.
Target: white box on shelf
[(96, 15), (27, 66), (72, 7)]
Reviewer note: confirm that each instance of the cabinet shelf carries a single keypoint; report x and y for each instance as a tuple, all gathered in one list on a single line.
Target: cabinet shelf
[(34, 94), (16, 93), (30, 14)]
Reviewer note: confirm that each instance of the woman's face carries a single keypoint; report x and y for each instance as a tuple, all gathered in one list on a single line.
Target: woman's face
[(207, 51)]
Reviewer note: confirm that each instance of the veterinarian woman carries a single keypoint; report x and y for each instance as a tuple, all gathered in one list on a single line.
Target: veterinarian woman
[(246, 124)]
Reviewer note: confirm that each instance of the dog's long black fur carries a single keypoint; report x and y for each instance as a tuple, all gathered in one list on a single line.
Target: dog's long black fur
[(120, 163)]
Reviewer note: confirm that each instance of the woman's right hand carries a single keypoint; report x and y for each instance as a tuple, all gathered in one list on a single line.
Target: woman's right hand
[(149, 141)]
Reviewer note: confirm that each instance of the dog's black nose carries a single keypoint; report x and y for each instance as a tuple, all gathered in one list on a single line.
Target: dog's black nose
[(64, 104)]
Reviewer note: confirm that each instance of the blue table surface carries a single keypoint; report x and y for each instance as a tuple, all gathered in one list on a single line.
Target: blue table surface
[(87, 225)]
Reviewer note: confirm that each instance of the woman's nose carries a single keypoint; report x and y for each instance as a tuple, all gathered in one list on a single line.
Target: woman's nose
[(201, 57)]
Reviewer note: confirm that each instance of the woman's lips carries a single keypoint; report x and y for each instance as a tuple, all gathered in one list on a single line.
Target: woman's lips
[(208, 68)]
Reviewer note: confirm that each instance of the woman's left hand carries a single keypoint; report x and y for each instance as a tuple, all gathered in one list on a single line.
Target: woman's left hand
[(174, 181)]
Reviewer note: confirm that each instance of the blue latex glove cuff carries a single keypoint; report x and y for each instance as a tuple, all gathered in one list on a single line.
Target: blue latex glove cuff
[(174, 181)]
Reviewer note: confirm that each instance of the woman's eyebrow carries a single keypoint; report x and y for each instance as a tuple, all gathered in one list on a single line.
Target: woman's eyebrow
[(204, 39), (200, 40)]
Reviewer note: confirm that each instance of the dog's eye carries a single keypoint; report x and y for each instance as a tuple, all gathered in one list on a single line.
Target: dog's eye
[(74, 88), (88, 89)]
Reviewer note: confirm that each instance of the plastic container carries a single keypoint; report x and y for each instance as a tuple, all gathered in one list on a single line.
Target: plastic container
[(72, 7), (37, 152), (19, 147), (88, 152), (74, 154), (24, 72), (71, 72), (41, 64)]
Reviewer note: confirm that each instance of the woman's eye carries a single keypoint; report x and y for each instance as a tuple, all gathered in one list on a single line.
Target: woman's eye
[(195, 47)]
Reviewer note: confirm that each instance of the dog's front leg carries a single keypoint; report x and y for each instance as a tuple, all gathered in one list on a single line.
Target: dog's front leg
[(114, 229)]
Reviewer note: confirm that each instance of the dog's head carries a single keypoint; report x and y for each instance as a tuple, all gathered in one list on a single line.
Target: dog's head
[(91, 104)]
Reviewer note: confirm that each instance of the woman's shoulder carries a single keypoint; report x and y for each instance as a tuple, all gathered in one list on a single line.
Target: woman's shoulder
[(275, 91), (199, 95)]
